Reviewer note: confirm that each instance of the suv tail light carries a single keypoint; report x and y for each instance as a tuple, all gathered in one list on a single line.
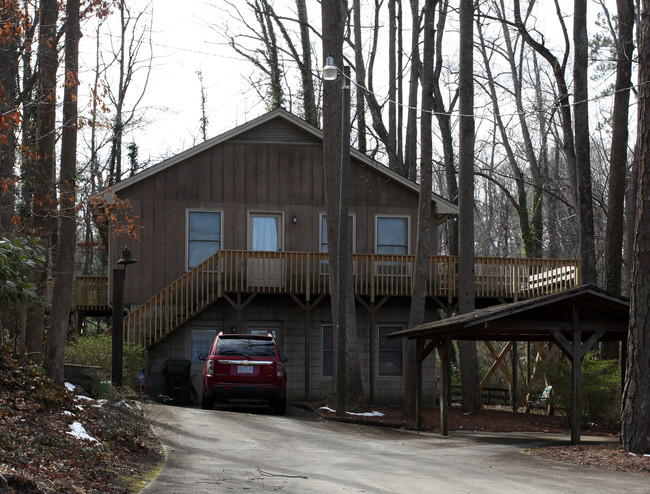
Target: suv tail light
[(209, 367), (279, 369)]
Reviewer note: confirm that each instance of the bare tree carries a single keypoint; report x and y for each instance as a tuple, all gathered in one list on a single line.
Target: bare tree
[(422, 251), (576, 153), (624, 43), (133, 38), (334, 15), (64, 267), (471, 396), (582, 148), (443, 116), (636, 389), (44, 169), (9, 55)]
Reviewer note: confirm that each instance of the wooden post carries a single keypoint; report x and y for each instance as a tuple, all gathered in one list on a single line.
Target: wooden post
[(576, 374), (515, 357), (418, 378), (443, 351)]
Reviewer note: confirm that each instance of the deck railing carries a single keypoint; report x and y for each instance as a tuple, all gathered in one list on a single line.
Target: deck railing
[(307, 274), (89, 293)]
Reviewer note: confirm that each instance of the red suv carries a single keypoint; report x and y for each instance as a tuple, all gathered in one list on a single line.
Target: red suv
[(246, 366)]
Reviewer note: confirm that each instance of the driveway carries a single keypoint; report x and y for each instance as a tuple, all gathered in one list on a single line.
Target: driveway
[(251, 450)]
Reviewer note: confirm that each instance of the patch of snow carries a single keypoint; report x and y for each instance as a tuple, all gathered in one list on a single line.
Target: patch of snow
[(361, 414), (630, 453), (66, 412), (70, 386), (78, 431), (366, 414), (81, 397)]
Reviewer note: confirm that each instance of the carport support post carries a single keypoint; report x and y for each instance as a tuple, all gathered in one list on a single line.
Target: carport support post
[(443, 351), (576, 375)]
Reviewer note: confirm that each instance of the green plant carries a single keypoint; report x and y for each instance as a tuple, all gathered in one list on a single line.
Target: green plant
[(97, 350), (18, 260), (601, 388)]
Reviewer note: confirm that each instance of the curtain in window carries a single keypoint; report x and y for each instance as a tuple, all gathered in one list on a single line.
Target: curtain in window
[(265, 233)]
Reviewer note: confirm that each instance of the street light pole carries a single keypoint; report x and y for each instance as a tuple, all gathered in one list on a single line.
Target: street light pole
[(330, 72), (117, 343)]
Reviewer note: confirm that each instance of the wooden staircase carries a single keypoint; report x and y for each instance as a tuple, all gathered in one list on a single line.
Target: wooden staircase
[(177, 304)]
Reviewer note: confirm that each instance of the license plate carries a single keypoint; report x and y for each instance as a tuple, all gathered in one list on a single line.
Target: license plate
[(244, 369)]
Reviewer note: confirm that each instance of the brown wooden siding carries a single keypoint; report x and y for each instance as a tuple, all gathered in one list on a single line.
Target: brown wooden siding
[(236, 177)]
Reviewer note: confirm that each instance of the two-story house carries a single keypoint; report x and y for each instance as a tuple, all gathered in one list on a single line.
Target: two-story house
[(233, 239)]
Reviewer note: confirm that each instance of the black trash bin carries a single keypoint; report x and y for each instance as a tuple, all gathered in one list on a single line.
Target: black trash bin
[(178, 382)]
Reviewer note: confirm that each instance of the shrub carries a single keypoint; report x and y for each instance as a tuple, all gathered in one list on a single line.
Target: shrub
[(601, 388), (97, 350)]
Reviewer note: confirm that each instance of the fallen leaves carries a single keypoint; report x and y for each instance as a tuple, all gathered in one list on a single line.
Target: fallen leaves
[(38, 453)]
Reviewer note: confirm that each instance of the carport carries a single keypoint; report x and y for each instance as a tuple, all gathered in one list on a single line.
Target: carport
[(576, 320)]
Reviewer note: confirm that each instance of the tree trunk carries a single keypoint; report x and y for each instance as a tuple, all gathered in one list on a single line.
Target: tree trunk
[(360, 77), (64, 269), (334, 13), (8, 110), (583, 160), (411, 144), (393, 162), (310, 108), (471, 397), (443, 115), (635, 420), (618, 155), (44, 193), (618, 159), (422, 251)]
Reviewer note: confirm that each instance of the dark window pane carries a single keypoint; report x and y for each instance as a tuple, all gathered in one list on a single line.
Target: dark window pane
[(392, 236), (204, 236), (328, 351), (202, 340), (390, 352), (204, 226), (200, 251)]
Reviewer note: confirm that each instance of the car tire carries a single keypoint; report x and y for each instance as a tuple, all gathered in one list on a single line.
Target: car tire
[(279, 406), (207, 402)]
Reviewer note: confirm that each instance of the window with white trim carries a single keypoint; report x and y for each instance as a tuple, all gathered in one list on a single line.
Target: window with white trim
[(390, 357), (392, 235), (203, 236)]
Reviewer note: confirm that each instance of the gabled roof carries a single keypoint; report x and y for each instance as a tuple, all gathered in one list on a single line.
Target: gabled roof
[(444, 207), (592, 308)]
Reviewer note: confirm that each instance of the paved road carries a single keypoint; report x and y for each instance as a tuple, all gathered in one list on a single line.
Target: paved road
[(251, 450)]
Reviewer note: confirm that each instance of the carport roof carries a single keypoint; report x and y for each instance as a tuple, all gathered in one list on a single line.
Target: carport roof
[(586, 308)]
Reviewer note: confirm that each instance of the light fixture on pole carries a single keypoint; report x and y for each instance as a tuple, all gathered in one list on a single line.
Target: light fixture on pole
[(330, 73), (117, 343)]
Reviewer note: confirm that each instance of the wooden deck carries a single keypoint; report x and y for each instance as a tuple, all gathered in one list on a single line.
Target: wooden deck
[(307, 275)]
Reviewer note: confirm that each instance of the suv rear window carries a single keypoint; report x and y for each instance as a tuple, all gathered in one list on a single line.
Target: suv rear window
[(248, 347)]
